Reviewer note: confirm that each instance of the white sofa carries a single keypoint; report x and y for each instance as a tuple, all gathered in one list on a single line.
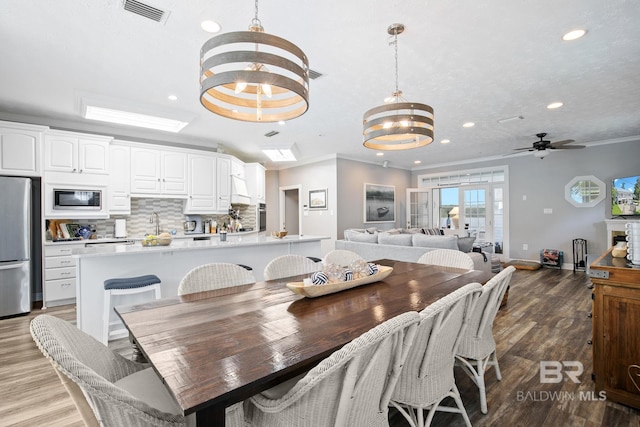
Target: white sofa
[(406, 246)]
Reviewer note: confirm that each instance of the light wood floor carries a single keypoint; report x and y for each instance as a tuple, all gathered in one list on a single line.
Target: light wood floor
[(545, 319)]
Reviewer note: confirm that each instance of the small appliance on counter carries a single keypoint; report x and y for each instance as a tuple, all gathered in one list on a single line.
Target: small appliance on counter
[(192, 224)]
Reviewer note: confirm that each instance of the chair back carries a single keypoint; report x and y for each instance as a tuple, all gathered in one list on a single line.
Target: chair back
[(478, 341), (341, 257), (290, 265), (212, 276), (351, 387), (447, 258), (427, 375), (88, 370)]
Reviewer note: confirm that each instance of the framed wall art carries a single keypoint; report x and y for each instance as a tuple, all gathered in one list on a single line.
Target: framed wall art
[(379, 203), (318, 199)]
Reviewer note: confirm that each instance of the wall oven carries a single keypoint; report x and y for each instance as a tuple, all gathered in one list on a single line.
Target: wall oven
[(69, 199), (262, 217)]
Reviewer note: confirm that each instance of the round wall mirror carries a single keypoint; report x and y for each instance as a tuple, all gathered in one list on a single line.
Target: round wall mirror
[(584, 191)]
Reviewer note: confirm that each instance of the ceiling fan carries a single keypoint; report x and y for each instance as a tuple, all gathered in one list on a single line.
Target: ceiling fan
[(543, 147)]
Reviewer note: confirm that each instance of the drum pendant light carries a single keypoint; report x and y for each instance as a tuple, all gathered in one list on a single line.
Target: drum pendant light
[(254, 76), (398, 124)]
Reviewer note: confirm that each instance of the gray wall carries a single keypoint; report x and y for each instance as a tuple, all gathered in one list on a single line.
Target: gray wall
[(543, 181), (352, 176), (309, 177)]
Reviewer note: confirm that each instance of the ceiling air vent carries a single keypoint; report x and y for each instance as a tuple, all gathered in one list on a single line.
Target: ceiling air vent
[(272, 133), (146, 10), (314, 74)]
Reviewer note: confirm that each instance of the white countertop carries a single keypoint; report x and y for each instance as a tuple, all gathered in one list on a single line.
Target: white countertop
[(233, 240), (125, 240)]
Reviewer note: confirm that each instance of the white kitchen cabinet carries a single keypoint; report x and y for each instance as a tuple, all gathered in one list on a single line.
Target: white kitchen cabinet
[(202, 184), (120, 180), (78, 154), (59, 274), (20, 148), (223, 183), (255, 177), (158, 172), (237, 168)]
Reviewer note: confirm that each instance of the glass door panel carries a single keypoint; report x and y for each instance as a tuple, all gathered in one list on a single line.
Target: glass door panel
[(475, 213), (418, 209)]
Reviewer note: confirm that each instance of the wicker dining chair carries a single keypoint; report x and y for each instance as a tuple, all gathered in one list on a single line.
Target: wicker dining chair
[(447, 258), (290, 265), (341, 257), (427, 377), (477, 345), (212, 276), (106, 388), (350, 388)]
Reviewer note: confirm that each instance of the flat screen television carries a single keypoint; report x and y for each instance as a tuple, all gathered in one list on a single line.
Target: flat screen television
[(625, 196)]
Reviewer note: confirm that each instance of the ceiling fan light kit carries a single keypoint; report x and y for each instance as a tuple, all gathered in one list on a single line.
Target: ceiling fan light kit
[(253, 76), (398, 124)]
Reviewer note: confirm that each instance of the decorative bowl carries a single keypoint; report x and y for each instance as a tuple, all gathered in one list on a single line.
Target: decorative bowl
[(279, 234), (312, 291)]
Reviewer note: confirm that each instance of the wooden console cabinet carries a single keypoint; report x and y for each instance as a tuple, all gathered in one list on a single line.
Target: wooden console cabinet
[(616, 329)]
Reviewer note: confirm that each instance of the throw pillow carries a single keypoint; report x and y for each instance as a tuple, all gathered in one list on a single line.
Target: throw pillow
[(466, 243)]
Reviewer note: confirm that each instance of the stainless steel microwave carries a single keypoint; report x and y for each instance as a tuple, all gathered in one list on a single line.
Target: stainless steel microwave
[(66, 199)]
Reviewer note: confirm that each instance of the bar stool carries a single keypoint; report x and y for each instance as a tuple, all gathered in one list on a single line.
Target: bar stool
[(126, 286)]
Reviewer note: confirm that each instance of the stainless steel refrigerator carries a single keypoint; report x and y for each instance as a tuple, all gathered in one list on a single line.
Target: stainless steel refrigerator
[(15, 251)]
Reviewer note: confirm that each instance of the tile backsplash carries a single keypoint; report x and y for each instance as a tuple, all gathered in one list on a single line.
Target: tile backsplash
[(170, 211)]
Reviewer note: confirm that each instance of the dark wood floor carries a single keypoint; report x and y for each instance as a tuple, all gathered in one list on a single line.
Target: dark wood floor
[(545, 319)]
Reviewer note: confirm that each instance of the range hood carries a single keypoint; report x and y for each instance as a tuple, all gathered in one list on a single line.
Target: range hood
[(239, 193)]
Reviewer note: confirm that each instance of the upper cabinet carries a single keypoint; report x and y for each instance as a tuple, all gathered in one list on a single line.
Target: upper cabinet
[(223, 183), (237, 168), (202, 184), (20, 148), (158, 172), (120, 180), (76, 155), (255, 176)]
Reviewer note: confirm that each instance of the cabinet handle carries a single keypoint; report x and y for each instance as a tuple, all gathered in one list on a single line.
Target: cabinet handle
[(65, 285), (80, 171), (66, 273), (74, 169), (65, 262)]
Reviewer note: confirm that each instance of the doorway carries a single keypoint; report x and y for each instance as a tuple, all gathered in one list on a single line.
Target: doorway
[(290, 209)]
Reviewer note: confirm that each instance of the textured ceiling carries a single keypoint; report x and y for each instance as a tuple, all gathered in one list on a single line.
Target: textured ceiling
[(470, 60)]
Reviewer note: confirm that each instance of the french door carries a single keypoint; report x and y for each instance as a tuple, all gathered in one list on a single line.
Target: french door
[(418, 207)]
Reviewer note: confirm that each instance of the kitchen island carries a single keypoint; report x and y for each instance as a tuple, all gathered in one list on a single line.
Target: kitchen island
[(170, 263)]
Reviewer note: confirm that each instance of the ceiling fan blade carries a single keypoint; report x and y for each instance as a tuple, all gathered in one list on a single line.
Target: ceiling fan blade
[(523, 148), (564, 141), (568, 147)]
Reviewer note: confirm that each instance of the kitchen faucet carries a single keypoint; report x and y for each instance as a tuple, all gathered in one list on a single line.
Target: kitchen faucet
[(157, 218)]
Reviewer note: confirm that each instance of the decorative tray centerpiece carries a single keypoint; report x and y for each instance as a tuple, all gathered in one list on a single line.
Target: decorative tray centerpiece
[(163, 239), (329, 281)]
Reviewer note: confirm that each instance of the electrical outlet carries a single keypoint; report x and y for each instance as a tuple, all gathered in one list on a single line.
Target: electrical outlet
[(525, 247)]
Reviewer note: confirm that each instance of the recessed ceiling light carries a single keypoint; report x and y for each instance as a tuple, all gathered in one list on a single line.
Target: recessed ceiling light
[(417, 162), (281, 122), (210, 26), (554, 105), (468, 125), (573, 35), (172, 98), (379, 154), (445, 141)]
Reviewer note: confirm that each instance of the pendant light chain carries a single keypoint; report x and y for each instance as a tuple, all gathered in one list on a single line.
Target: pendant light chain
[(397, 92), (256, 21)]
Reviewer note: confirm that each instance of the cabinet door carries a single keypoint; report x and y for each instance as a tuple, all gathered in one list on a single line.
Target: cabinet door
[(61, 153), (120, 179), (19, 152), (255, 175), (223, 184), (93, 156), (145, 171), (202, 184), (174, 173)]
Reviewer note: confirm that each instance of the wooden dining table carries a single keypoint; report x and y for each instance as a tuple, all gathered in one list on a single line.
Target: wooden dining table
[(215, 348)]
